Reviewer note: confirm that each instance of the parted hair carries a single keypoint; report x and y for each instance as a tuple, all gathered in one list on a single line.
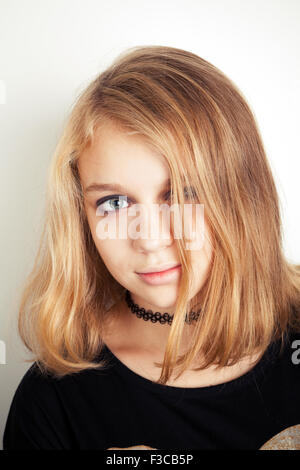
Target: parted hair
[(196, 117)]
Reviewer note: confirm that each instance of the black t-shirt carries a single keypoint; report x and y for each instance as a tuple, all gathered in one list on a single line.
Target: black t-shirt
[(116, 407)]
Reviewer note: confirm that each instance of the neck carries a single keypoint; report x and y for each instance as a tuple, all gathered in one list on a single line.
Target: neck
[(155, 316)]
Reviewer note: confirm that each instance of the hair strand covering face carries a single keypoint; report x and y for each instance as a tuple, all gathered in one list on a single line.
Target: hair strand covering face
[(196, 117)]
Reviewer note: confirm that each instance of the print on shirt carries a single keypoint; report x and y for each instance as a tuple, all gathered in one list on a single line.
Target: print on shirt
[(288, 439)]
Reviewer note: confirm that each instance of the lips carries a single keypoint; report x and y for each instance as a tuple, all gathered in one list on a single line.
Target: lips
[(159, 269), (162, 277)]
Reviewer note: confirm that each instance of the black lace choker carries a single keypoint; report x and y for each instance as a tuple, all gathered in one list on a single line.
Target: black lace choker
[(157, 316)]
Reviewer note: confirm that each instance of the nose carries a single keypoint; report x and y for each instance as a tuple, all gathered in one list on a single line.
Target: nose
[(151, 230)]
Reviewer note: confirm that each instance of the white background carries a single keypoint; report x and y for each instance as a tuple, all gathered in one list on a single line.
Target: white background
[(49, 52)]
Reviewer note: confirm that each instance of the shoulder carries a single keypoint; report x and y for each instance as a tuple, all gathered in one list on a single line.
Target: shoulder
[(35, 389), (39, 387), (33, 380), (27, 413), (34, 420), (41, 410)]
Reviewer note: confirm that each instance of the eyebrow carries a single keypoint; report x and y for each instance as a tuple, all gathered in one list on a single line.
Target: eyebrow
[(115, 187)]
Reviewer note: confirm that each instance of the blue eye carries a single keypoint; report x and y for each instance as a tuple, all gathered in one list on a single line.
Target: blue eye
[(107, 204)]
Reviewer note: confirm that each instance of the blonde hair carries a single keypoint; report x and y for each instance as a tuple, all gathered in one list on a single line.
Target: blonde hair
[(196, 117)]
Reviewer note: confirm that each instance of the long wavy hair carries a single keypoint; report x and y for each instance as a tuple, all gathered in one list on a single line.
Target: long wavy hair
[(190, 112)]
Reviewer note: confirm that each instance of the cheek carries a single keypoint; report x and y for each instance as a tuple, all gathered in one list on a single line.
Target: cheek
[(110, 227), (111, 251), (115, 258)]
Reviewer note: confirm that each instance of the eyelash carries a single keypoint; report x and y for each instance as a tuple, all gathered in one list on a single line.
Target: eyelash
[(105, 199)]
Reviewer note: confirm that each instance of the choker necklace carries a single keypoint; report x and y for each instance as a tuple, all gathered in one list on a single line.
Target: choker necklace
[(157, 316)]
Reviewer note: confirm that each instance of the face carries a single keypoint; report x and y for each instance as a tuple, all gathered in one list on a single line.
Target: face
[(119, 157)]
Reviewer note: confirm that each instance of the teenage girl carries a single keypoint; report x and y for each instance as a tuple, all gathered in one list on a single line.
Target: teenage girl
[(159, 341)]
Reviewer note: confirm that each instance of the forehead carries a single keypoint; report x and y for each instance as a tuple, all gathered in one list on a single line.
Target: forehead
[(117, 154)]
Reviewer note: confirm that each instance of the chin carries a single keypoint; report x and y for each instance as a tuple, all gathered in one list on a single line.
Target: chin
[(161, 301)]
